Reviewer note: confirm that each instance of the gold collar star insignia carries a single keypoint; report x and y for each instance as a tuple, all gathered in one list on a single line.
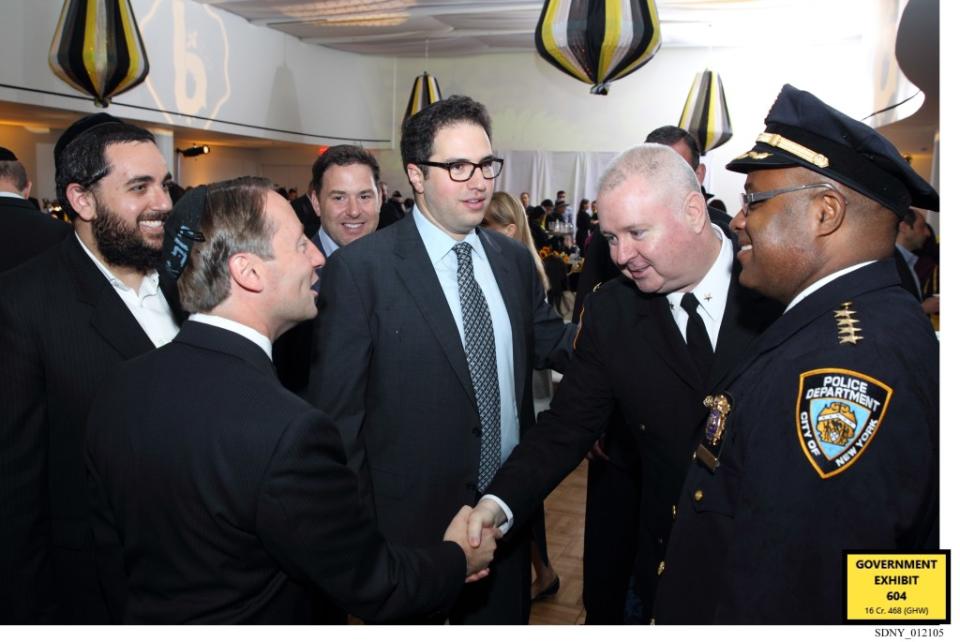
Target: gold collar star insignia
[(847, 330)]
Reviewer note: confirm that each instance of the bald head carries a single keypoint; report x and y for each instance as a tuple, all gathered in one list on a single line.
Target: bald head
[(661, 167)]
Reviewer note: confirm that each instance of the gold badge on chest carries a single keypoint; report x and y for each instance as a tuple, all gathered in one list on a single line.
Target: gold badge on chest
[(708, 451)]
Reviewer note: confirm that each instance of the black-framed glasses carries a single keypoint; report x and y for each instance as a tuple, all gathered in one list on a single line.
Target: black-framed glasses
[(462, 171), (755, 198)]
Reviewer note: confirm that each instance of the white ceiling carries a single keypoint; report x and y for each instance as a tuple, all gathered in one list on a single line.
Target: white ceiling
[(462, 27)]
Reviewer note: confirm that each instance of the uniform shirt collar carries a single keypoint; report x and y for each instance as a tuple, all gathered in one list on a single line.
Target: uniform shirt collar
[(711, 291), (816, 285)]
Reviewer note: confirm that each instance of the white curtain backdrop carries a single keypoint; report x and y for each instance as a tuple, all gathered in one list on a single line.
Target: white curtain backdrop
[(544, 173)]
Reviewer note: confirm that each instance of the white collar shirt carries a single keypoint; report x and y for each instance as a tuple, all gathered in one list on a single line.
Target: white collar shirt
[(230, 325), (711, 292), (147, 305)]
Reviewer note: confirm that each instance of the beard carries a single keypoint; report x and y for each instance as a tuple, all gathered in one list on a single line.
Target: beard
[(122, 245)]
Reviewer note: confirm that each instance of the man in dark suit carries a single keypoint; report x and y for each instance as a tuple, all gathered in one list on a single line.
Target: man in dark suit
[(67, 318), (427, 335), (344, 193), (650, 344), (28, 231), (219, 496)]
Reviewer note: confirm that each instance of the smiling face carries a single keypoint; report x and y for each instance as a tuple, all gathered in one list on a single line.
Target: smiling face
[(291, 272), (348, 202), (457, 208), (129, 205), (776, 249), (650, 240)]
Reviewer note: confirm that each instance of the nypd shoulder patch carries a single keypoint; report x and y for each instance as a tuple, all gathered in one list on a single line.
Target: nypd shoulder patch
[(838, 414)]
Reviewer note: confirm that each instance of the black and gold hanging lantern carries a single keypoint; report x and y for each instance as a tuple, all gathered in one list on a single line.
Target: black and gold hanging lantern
[(97, 48), (426, 91), (598, 41), (705, 113)]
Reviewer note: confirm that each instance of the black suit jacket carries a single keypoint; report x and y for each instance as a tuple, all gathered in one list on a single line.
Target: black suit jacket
[(230, 497), (63, 329), (631, 359), (26, 230), (391, 370)]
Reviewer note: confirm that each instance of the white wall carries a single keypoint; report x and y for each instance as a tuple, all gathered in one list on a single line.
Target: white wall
[(535, 107), (208, 64)]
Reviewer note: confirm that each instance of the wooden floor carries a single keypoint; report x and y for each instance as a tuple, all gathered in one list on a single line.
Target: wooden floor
[(564, 517)]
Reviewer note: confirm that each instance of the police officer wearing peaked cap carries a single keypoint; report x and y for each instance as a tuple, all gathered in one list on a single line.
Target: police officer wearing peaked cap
[(825, 438)]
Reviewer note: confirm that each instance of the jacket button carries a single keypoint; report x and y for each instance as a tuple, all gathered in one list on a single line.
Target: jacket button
[(476, 431), (643, 427), (673, 510), (697, 495), (661, 568)]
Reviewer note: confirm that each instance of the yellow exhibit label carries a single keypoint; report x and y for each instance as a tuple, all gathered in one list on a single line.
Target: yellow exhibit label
[(897, 586)]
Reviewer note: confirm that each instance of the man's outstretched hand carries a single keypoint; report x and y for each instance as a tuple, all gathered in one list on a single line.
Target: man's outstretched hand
[(479, 553)]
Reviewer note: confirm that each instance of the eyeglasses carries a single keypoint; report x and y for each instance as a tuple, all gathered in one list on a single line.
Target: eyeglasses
[(462, 171), (755, 198)]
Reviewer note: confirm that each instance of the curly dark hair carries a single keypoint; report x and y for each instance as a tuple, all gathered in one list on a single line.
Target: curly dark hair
[(420, 130), (83, 160)]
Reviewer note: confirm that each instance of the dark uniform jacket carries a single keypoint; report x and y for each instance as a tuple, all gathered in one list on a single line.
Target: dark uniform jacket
[(219, 496), (630, 359), (63, 329), (392, 372), (831, 443)]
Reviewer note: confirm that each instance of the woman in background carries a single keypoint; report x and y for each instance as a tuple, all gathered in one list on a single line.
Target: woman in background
[(506, 215)]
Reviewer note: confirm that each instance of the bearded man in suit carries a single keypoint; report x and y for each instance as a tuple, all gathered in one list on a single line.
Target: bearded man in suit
[(68, 317)]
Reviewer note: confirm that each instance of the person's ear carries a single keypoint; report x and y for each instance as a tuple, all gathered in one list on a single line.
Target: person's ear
[(246, 270), (416, 178), (830, 209), (83, 201), (695, 211)]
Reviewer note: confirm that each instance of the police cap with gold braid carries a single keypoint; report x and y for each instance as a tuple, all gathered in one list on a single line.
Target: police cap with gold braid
[(801, 130)]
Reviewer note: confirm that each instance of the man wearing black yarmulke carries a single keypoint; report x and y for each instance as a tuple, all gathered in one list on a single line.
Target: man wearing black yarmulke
[(825, 439), (67, 318)]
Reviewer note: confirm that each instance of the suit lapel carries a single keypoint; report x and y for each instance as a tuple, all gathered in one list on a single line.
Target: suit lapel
[(660, 331), (110, 319), (420, 279), (510, 290)]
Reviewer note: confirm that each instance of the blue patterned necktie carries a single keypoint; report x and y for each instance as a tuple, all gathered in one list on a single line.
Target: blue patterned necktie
[(480, 348)]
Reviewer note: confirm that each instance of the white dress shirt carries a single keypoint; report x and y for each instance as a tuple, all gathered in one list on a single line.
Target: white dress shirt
[(816, 285), (244, 331), (147, 305), (444, 260), (711, 293)]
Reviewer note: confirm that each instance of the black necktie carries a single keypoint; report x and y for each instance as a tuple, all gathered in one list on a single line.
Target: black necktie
[(698, 341), (481, 350)]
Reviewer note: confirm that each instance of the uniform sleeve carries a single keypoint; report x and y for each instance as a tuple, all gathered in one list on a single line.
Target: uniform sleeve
[(343, 344), (577, 417), (844, 458), (24, 504), (310, 518)]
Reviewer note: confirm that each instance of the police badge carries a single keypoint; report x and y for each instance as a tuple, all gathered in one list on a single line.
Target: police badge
[(708, 452), (838, 414)]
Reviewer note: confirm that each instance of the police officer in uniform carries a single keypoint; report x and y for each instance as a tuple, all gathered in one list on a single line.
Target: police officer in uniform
[(825, 438)]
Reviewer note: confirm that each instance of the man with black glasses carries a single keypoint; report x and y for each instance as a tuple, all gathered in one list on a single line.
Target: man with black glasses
[(428, 333)]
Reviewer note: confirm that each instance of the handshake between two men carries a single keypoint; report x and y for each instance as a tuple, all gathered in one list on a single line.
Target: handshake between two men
[(477, 536)]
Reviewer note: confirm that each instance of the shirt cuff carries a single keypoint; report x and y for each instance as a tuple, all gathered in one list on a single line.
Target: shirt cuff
[(507, 525)]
